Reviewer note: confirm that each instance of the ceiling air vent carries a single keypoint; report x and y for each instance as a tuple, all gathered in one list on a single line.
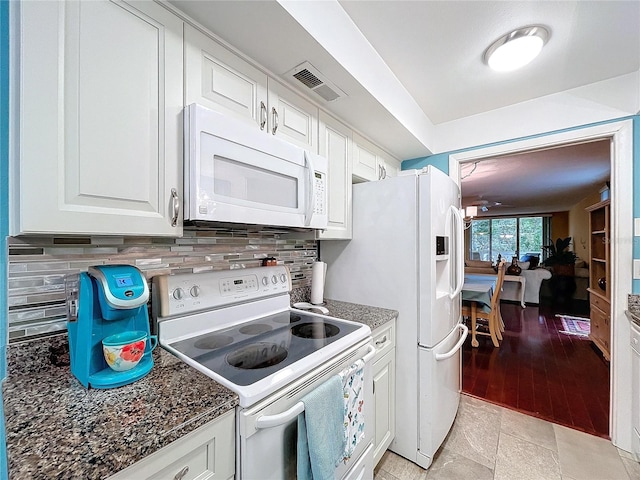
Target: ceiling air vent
[(311, 78)]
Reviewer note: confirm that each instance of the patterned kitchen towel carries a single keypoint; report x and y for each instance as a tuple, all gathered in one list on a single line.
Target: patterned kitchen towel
[(321, 431), (353, 388)]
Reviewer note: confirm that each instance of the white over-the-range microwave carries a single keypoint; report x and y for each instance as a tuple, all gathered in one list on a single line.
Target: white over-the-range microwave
[(236, 173)]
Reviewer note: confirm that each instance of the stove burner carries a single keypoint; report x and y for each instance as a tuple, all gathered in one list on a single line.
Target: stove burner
[(255, 329), (315, 330), (213, 341), (257, 355), (291, 318)]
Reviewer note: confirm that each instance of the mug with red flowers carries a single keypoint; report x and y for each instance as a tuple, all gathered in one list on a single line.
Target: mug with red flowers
[(124, 350)]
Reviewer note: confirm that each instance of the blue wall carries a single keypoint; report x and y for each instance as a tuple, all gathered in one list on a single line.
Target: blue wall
[(4, 208), (441, 161)]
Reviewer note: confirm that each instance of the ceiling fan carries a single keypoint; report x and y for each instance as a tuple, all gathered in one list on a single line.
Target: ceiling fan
[(484, 205)]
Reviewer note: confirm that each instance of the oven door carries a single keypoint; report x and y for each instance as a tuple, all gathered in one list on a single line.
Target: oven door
[(268, 431), (236, 173)]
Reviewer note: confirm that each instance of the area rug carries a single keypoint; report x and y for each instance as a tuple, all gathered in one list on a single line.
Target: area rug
[(575, 325)]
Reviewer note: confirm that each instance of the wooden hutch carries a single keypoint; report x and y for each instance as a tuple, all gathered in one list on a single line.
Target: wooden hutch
[(600, 276)]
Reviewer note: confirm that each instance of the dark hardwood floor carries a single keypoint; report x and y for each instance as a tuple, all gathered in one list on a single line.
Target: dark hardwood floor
[(541, 372)]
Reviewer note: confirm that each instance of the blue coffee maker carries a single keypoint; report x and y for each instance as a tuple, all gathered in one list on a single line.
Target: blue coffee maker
[(106, 300)]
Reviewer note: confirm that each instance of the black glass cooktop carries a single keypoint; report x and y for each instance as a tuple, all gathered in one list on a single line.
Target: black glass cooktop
[(251, 351)]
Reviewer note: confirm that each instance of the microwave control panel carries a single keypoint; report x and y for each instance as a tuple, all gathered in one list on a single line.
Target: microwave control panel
[(320, 191)]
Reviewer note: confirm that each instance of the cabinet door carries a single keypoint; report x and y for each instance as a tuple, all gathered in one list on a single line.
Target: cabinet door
[(335, 145), (220, 80), (390, 166), (207, 453), (100, 118), (292, 118), (384, 397), (365, 159)]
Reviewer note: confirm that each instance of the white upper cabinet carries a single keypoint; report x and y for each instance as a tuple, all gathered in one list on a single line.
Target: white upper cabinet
[(336, 145), (370, 162), (219, 79), (292, 118), (388, 166), (365, 159), (100, 119)]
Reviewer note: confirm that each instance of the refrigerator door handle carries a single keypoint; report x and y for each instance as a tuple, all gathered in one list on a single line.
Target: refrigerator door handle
[(443, 356), (459, 270)]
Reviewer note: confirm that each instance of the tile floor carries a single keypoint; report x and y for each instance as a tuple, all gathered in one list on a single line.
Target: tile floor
[(491, 442)]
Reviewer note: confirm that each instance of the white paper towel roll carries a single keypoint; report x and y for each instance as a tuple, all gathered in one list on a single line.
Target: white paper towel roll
[(318, 271)]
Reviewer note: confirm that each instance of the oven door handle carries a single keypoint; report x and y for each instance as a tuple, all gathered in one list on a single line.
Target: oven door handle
[(269, 421)]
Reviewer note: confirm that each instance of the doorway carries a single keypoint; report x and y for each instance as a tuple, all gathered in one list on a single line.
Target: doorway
[(621, 136)]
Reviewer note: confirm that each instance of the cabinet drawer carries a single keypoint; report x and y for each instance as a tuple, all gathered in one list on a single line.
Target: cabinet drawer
[(600, 302), (600, 328), (384, 339), (597, 321)]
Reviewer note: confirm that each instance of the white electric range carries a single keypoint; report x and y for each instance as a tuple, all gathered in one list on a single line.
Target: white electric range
[(237, 327)]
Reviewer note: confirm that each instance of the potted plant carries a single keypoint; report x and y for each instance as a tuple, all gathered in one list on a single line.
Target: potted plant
[(560, 258)]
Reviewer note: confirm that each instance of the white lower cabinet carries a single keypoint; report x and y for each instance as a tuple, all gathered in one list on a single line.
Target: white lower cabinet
[(204, 454), (99, 143), (384, 388)]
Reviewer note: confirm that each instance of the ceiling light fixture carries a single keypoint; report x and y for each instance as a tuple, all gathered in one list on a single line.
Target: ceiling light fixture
[(516, 48)]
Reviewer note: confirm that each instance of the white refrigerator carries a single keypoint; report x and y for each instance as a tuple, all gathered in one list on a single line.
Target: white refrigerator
[(406, 255)]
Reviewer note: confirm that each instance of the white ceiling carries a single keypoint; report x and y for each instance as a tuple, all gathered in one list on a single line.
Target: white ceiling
[(427, 55), (435, 48)]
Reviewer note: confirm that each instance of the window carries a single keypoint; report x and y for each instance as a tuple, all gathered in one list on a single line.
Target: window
[(508, 237)]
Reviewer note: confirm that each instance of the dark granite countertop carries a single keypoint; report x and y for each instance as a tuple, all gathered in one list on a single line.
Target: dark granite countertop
[(56, 428), (374, 317)]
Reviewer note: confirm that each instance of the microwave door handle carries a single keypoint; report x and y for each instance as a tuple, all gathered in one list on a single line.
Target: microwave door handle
[(311, 198)]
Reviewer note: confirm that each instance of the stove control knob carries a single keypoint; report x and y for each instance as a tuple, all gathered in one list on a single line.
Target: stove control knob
[(178, 294), (195, 291), (265, 281), (283, 277), (274, 279)]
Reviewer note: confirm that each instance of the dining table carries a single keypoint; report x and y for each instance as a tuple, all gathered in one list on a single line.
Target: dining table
[(477, 290)]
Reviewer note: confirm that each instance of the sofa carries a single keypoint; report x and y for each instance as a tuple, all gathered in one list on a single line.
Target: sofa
[(510, 290)]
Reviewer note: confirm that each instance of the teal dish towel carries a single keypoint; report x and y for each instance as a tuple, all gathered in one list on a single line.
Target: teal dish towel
[(321, 432)]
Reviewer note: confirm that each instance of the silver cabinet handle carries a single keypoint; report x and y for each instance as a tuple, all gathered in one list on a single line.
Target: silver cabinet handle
[(383, 340), (274, 114), (180, 475), (384, 172), (176, 207), (379, 172), (263, 115)]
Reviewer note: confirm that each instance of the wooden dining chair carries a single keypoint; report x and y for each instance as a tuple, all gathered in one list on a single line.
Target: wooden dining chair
[(492, 318)]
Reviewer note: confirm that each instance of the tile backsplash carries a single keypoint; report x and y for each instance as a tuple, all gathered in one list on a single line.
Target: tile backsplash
[(37, 265)]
